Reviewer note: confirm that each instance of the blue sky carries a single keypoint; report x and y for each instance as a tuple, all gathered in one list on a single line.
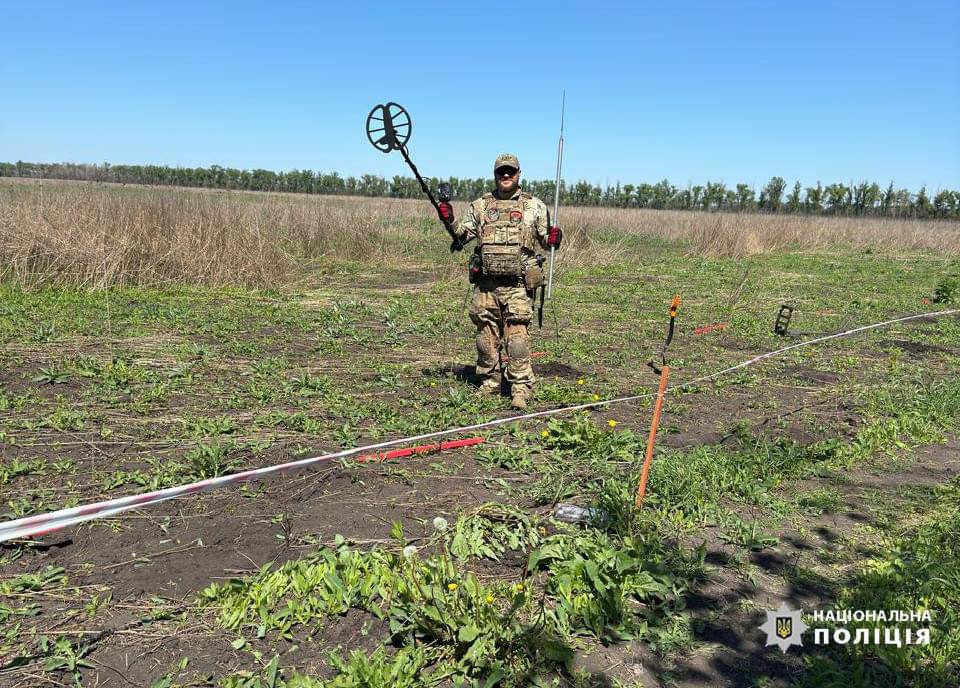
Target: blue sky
[(689, 91)]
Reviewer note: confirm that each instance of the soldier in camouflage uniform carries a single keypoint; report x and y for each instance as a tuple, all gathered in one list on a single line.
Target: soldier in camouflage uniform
[(510, 226)]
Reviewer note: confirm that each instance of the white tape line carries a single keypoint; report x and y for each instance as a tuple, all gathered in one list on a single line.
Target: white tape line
[(817, 340), (41, 524)]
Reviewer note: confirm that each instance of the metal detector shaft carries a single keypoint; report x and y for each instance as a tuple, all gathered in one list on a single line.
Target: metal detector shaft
[(457, 244), (423, 184)]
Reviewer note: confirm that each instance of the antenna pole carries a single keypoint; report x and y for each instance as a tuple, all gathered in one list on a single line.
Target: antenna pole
[(556, 194)]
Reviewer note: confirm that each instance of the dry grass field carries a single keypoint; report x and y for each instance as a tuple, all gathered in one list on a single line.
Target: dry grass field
[(97, 235)]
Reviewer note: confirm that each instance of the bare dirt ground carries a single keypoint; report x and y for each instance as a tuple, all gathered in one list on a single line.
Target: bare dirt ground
[(171, 551)]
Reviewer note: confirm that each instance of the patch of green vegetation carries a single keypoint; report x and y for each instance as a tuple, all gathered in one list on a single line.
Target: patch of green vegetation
[(29, 582), (915, 569), (209, 426), (403, 669), (947, 290), (212, 459), (819, 501), (611, 586), (511, 456), (608, 584), (18, 467), (465, 628), (492, 529)]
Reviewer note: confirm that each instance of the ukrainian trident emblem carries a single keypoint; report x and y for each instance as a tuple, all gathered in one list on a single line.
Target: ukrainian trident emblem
[(784, 627)]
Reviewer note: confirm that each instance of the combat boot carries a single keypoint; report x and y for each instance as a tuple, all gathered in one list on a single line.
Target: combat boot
[(489, 386), (520, 397)]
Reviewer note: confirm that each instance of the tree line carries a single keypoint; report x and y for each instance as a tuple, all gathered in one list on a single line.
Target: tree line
[(854, 199)]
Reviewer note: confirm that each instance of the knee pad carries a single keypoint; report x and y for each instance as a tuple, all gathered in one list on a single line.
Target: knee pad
[(518, 345), (487, 344)]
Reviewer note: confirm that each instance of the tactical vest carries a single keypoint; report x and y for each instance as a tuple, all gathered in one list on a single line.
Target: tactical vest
[(504, 237)]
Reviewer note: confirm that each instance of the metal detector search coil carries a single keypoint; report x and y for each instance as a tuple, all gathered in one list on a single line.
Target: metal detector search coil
[(389, 127)]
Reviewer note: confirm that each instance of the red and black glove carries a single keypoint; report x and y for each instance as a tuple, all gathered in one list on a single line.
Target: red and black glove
[(446, 212), (554, 237)]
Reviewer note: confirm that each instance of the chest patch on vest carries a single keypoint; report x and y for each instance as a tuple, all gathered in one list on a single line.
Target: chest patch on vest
[(493, 214), (515, 216)]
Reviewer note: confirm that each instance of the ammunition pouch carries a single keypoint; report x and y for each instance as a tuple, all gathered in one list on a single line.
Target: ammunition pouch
[(501, 260)]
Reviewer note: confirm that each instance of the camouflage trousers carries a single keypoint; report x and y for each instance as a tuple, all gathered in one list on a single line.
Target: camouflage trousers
[(502, 313)]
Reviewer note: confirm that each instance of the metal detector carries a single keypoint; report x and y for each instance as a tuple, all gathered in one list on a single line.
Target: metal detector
[(388, 129)]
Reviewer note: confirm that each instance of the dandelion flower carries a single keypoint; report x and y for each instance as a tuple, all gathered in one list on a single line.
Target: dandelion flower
[(545, 433), (489, 599), (596, 397), (580, 381), (518, 587), (409, 551), (612, 423), (440, 523), (452, 587)]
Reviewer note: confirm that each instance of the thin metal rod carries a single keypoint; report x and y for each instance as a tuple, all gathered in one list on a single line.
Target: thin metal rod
[(556, 195), (556, 191)]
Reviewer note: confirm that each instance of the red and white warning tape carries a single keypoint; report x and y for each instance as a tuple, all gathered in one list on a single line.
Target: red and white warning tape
[(41, 524)]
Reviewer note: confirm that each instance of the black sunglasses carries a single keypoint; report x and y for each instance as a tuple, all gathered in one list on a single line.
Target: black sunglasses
[(505, 171)]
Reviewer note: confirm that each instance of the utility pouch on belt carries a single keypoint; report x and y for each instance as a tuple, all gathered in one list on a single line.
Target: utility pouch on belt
[(533, 276), (474, 268)]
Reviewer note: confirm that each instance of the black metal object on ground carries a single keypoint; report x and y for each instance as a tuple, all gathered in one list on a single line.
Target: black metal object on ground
[(782, 324)]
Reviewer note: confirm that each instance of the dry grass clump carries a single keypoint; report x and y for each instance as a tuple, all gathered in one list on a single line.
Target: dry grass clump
[(736, 235), (94, 235)]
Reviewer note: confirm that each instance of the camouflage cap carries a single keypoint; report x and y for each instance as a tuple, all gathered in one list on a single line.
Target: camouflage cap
[(506, 160)]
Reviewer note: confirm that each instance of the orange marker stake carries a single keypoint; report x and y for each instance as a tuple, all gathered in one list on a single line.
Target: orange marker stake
[(658, 406), (647, 460)]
